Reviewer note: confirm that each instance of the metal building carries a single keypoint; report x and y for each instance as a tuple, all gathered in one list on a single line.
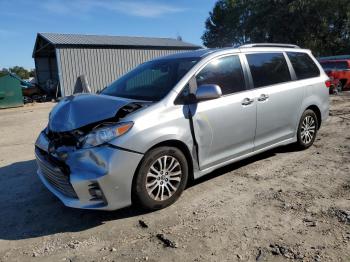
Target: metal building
[(60, 59)]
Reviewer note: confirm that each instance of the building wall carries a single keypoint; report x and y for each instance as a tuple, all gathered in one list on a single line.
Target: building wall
[(100, 66)]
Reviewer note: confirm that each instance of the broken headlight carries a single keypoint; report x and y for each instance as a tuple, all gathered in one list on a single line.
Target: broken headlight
[(104, 134)]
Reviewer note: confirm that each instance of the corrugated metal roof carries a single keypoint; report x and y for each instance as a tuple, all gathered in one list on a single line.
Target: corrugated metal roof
[(104, 40)]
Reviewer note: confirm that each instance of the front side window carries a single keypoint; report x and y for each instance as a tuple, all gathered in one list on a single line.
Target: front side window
[(225, 72), (268, 69), (152, 80), (303, 65)]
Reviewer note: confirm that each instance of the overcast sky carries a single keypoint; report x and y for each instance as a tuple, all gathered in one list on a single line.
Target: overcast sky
[(20, 20)]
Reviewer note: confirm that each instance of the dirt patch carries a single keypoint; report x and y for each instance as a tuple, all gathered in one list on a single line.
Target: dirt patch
[(283, 205)]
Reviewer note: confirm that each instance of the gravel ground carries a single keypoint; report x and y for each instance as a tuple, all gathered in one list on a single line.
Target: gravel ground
[(279, 206)]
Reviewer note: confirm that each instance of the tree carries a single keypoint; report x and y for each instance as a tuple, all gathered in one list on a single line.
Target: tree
[(32, 73), (320, 25), (3, 72), (20, 71)]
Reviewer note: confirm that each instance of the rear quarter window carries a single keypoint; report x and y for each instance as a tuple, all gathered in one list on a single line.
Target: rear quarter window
[(303, 65)]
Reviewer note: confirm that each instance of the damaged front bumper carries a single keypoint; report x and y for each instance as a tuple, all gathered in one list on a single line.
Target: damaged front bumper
[(95, 178)]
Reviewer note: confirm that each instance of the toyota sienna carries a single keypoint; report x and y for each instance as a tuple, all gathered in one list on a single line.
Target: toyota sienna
[(177, 118)]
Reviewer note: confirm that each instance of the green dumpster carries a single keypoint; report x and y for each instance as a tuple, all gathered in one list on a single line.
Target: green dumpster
[(10, 92)]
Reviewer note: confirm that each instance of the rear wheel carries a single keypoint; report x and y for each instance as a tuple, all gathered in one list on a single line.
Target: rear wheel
[(161, 178), (339, 87), (307, 129)]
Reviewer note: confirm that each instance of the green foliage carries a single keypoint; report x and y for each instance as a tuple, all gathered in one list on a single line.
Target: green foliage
[(32, 73), (19, 71), (320, 25), (2, 73)]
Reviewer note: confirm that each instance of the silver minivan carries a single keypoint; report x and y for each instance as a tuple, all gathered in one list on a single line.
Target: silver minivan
[(178, 118)]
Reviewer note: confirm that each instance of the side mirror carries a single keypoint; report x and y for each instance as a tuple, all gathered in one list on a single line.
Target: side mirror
[(208, 92)]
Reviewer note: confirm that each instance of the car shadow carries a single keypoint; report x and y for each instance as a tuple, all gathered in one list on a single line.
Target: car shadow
[(29, 210)]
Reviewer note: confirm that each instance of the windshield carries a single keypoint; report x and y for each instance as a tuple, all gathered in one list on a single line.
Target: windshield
[(152, 80)]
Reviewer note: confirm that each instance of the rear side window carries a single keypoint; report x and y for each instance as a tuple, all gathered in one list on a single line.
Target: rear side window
[(268, 69), (226, 72), (303, 65)]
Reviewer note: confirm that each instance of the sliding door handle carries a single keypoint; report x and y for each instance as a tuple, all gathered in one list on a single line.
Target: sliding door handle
[(247, 101), (263, 97)]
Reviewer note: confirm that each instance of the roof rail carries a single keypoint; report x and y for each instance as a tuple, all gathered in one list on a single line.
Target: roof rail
[(270, 45)]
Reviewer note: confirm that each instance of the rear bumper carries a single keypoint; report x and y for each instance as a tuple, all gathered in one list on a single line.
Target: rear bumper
[(75, 180)]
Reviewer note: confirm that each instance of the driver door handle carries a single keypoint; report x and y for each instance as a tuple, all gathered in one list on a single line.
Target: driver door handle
[(247, 101), (263, 97)]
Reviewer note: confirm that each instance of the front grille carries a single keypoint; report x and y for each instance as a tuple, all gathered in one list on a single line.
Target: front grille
[(54, 175)]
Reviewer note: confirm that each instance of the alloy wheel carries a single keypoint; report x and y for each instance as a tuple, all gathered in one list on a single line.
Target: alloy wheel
[(163, 178), (308, 129)]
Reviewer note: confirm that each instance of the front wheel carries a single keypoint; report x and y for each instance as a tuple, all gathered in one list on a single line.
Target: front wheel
[(161, 178), (307, 129)]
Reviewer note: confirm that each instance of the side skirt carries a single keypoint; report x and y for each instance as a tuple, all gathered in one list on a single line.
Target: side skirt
[(200, 173)]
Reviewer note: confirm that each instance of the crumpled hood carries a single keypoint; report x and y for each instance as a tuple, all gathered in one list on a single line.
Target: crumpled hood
[(76, 111)]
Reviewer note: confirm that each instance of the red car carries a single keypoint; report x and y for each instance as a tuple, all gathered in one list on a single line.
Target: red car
[(338, 69), (335, 86)]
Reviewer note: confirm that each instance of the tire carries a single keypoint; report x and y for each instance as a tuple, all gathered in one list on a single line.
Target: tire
[(307, 129), (36, 97), (339, 87), (27, 99), (152, 174)]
